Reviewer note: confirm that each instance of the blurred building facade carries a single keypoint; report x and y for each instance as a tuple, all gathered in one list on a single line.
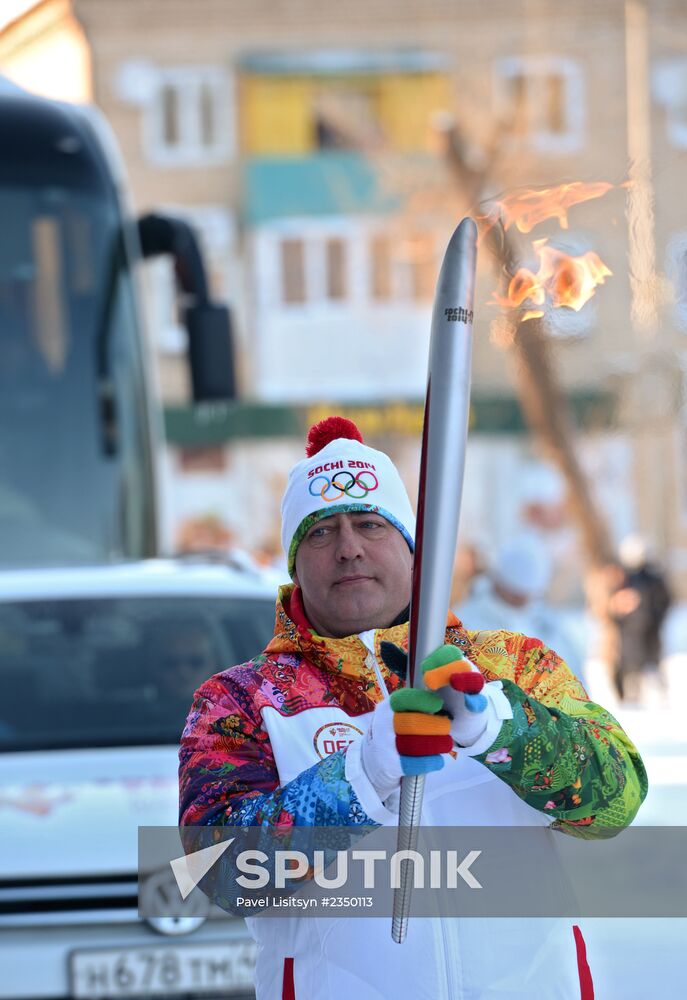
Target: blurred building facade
[(325, 152)]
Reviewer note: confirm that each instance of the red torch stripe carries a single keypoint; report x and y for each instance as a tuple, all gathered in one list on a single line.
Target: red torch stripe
[(583, 970), (288, 990), (417, 555)]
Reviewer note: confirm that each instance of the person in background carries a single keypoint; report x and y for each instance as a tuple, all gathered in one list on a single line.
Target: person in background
[(468, 568), (511, 596), (639, 607)]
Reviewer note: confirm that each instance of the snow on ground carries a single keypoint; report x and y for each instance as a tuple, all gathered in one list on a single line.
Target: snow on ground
[(630, 958)]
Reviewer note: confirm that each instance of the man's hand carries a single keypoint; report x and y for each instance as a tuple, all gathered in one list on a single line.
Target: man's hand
[(408, 735), (624, 601), (459, 683)]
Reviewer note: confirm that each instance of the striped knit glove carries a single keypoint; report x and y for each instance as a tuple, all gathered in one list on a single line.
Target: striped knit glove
[(446, 670), (408, 735), (460, 682)]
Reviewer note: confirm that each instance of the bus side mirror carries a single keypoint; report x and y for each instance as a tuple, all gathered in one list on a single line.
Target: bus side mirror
[(210, 340), (211, 352)]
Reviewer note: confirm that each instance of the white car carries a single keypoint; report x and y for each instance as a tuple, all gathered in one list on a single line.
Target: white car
[(97, 671)]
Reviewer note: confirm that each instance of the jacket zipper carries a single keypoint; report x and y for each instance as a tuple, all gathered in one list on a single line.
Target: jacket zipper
[(378, 675), (373, 659)]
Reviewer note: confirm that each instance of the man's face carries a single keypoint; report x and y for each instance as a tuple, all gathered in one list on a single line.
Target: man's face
[(355, 573)]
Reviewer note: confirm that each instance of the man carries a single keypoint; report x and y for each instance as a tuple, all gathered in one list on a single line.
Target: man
[(639, 607), (318, 730)]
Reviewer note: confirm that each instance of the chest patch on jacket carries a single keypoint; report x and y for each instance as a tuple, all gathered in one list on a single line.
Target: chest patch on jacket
[(334, 736), (301, 740)]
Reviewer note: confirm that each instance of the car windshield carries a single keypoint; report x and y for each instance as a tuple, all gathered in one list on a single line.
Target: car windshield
[(116, 671)]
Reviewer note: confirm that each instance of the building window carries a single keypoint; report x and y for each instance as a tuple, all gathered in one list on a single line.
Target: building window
[(380, 253), (402, 268), (676, 123), (340, 268), (345, 117), (293, 271), (540, 103), (670, 89), (189, 118), (676, 271), (340, 100), (314, 271), (170, 112), (335, 269), (418, 252)]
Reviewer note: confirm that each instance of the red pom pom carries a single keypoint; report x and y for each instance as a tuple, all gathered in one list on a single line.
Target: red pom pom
[(329, 429)]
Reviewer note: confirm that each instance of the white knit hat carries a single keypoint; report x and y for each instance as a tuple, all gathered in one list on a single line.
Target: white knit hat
[(633, 552), (523, 565), (339, 475)]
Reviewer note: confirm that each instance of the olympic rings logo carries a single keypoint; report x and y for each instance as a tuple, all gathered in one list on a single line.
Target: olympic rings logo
[(356, 483)]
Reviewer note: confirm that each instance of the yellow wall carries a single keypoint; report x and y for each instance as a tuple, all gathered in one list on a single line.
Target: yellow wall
[(406, 104), (275, 115), (277, 118)]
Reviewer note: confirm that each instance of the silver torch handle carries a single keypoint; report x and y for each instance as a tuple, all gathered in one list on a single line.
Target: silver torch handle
[(444, 440)]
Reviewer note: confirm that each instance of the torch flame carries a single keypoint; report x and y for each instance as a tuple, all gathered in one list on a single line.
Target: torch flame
[(526, 209), (564, 280)]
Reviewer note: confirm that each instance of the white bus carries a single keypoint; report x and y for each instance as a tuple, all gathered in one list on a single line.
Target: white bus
[(78, 425)]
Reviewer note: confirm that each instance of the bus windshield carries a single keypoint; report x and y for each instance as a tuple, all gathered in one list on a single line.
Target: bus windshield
[(68, 326)]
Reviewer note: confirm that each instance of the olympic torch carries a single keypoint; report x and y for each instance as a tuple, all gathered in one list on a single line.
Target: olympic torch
[(444, 440)]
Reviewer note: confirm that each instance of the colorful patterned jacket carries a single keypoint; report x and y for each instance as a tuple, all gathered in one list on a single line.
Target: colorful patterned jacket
[(276, 741), (560, 753)]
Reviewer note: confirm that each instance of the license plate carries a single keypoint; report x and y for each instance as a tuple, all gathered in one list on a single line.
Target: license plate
[(165, 971)]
